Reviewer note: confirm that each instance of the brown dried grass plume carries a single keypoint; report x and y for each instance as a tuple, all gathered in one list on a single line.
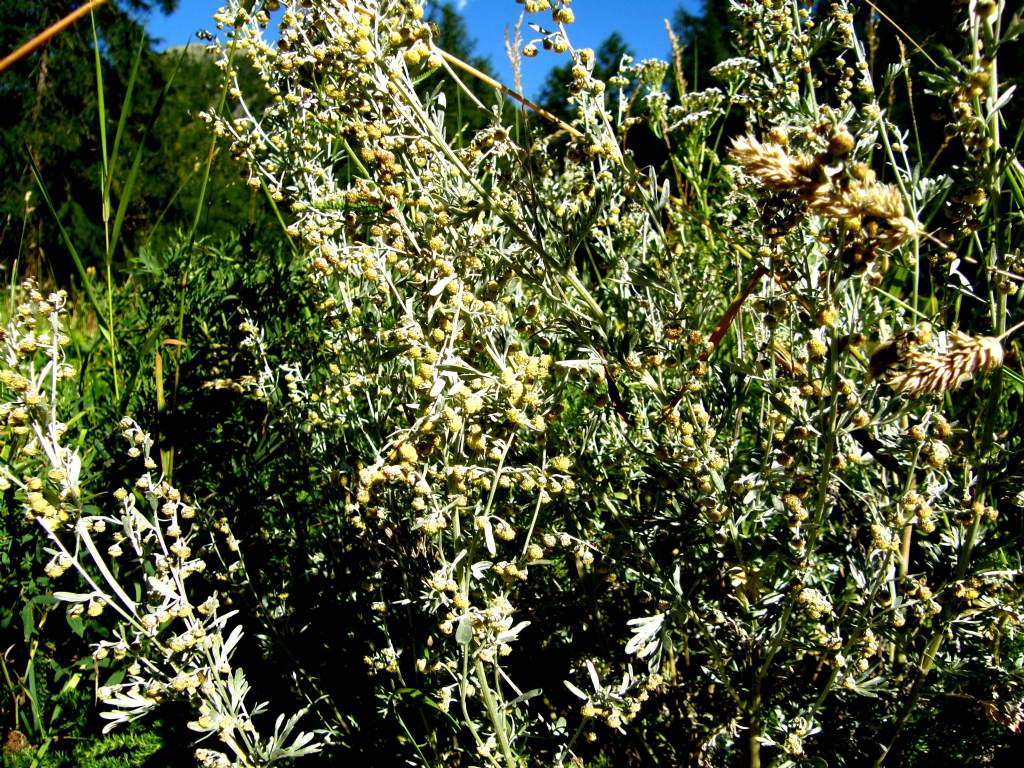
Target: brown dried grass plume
[(931, 373), (861, 200), (772, 165)]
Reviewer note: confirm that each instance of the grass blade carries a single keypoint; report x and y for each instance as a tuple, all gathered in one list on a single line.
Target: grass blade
[(133, 173), (87, 284), (122, 120)]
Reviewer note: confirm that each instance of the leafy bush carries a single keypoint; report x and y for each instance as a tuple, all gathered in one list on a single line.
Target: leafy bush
[(715, 463)]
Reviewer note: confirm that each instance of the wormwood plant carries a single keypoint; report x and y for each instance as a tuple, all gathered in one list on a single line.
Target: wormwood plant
[(133, 552), (715, 468)]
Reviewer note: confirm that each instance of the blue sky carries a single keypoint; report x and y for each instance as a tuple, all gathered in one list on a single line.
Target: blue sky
[(641, 22)]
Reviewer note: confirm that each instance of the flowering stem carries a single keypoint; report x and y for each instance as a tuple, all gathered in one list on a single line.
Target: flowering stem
[(455, 61), (828, 435)]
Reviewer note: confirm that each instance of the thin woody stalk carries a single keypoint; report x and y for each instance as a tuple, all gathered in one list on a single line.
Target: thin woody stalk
[(51, 31)]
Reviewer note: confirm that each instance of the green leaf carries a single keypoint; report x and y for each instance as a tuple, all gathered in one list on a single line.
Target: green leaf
[(464, 632), (90, 290), (27, 622)]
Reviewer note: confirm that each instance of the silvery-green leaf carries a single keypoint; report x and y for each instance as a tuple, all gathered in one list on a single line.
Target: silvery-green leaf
[(489, 537), (645, 634), (232, 640), (440, 285), (464, 632), (511, 634), (101, 565), (1003, 100), (533, 692), (74, 597), (575, 691)]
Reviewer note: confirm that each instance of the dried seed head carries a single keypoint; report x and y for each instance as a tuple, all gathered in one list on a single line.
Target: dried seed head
[(771, 164), (931, 373), (867, 199), (842, 143)]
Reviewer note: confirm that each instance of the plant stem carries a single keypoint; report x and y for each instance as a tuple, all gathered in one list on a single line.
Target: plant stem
[(915, 694), (497, 719)]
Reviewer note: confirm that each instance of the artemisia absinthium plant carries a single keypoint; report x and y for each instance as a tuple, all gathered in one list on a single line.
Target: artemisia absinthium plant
[(446, 280), (744, 427), (721, 404), (134, 557), (860, 509)]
